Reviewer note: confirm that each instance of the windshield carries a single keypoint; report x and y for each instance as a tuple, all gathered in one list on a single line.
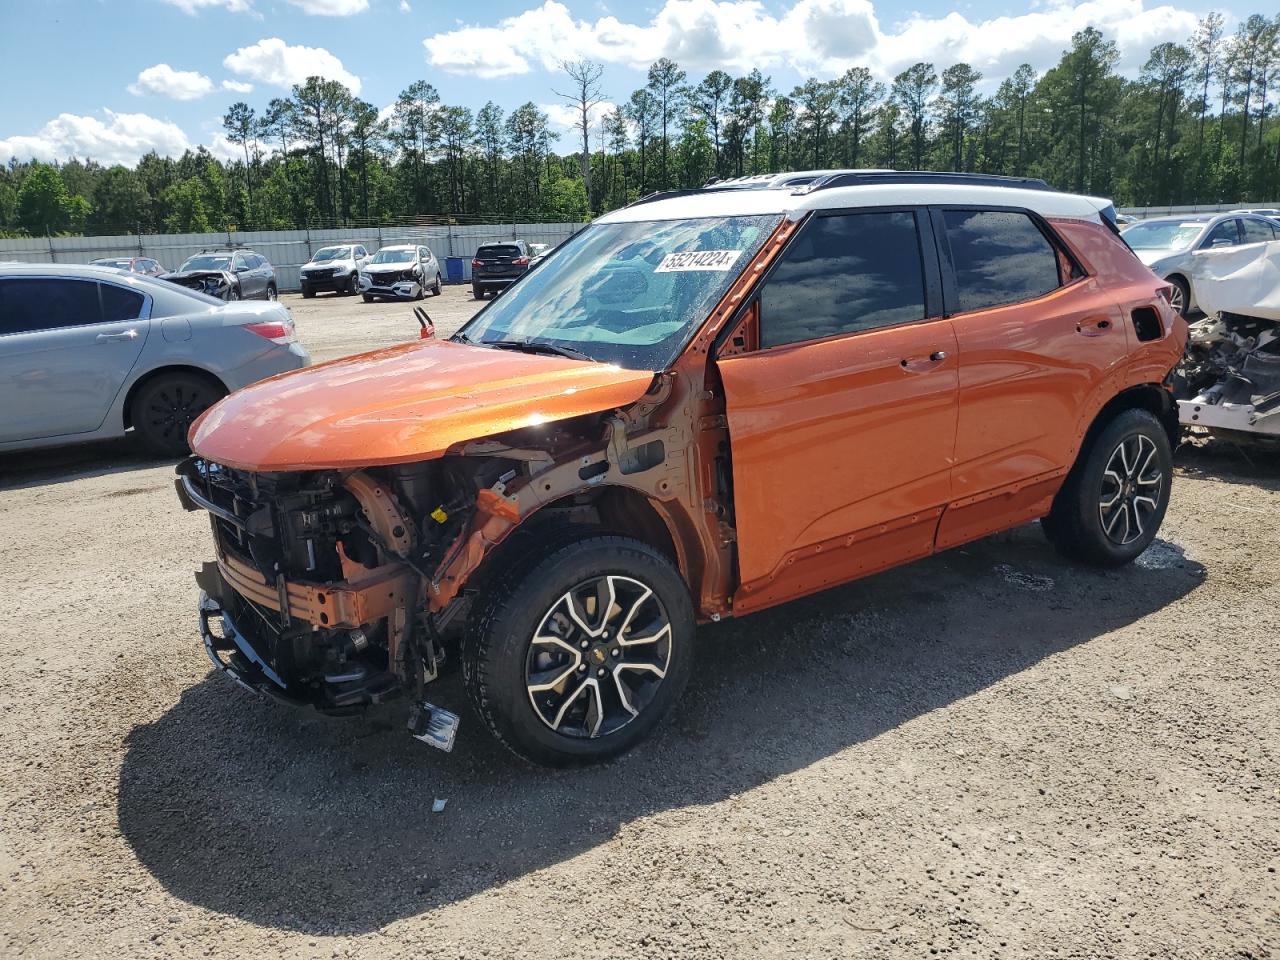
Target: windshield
[(625, 293), (392, 256), (120, 264), (1163, 234), (331, 253), (206, 262)]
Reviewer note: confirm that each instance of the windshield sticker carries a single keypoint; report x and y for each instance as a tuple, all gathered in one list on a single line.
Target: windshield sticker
[(717, 260)]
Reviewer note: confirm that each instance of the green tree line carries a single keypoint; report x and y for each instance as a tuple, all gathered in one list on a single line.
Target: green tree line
[(1197, 125)]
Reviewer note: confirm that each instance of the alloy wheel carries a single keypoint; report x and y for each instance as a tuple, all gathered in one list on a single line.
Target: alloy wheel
[(598, 656), (1177, 300), (1132, 485)]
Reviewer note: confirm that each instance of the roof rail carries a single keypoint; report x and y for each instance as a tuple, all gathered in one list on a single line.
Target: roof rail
[(866, 177)]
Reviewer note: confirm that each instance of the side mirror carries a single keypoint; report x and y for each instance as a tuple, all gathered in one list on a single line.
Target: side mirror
[(1220, 242)]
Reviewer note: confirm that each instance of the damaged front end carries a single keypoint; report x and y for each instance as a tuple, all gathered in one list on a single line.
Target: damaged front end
[(1229, 380)]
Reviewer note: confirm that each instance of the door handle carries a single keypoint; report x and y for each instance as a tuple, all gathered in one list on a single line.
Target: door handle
[(924, 363), (130, 334)]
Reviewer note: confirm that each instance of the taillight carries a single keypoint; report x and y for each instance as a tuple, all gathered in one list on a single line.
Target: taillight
[(476, 263), (521, 261), (277, 331)]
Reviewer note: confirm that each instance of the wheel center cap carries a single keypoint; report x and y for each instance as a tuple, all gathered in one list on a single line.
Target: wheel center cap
[(597, 655)]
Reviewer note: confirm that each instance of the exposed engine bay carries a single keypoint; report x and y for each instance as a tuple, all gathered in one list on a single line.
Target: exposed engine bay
[(342, 589), (1229, 380), (216, 283)]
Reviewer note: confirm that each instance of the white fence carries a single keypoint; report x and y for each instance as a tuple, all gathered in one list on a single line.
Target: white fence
[(1142, 213), (287, 250)]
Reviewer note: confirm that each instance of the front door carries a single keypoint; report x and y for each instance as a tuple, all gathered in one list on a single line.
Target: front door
[(64, 353), (843, 423)]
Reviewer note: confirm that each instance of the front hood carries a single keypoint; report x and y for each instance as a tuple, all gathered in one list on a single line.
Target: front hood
[(406, 403), (1152, 257), (178, 276)]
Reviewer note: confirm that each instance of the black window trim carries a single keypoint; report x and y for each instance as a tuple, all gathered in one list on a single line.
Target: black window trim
[(147, 301), (929, 264), (951, 296)]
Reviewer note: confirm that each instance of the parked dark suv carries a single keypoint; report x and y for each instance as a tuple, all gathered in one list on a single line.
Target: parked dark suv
[(496, 265), (228, 275)]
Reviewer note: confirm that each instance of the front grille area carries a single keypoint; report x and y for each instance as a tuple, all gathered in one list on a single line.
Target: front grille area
[(384, 279)]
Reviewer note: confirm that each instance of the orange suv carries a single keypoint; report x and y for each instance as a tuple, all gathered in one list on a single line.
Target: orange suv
[(703, 404)]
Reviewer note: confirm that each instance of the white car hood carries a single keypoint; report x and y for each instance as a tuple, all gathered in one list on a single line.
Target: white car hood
[(1152, 256)]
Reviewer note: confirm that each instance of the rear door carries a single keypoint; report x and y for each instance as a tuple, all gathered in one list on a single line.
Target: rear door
[(1040, 342), (66, 348), (842, 425)]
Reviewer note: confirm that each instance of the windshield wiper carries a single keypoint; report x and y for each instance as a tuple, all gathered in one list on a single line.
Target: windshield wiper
[(532, 346)]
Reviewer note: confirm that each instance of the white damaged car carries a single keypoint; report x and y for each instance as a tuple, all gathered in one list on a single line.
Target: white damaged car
[(401, 272)]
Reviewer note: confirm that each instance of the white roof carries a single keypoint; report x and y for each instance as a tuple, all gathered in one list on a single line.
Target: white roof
[(730, 203)]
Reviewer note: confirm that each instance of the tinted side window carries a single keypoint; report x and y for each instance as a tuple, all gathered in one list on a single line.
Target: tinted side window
[(1255, 231), (844, 274), (1227, 233), (999, 258), (40, 303), (120, 304)]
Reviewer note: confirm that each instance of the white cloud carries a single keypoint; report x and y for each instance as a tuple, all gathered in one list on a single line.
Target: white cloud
[(162, 80), (404, 7), (235, 86), (810, 36), (193, 7), (563, 117), (122, 138), (275, 62), (331, 8)]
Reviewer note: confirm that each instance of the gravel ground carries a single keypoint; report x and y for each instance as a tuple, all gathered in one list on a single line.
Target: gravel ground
[(987, 753)]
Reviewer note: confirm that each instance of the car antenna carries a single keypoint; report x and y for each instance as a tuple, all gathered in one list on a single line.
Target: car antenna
[(428, 329)]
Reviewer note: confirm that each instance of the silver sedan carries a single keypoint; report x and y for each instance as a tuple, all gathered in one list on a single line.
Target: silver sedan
[(1167, 245), (88, 353)]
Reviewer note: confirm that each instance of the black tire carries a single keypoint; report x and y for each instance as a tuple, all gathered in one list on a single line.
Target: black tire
[(367, 298), (353, 285), (438, 287), (163, 409), (498, 651), (308, 293), (233, 294), (476, 293), (1181, 289), (1101, 494)]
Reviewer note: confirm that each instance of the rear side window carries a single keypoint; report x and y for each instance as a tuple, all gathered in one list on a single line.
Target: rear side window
[(844, 274), (46, 303), (1256, 231), (120, 304), (1000, 257)]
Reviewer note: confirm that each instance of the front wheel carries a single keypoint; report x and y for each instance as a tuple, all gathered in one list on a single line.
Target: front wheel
[(577, 656), (233, 294), (1113, 501), (271, 292), (1180, 295), (367, 298), (353, 285)]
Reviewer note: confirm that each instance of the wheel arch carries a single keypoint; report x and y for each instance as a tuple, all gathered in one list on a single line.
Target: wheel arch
[(150, 375), (1143, 396)]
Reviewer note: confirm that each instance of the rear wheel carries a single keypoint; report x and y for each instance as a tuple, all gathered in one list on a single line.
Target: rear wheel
[(1113, 501), (574, 658), (476, 292), (308, 293), (438, 287), (164, 408), (367, 298), (271, 292)]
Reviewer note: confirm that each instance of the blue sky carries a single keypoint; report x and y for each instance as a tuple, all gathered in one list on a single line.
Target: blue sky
[(113, 79)]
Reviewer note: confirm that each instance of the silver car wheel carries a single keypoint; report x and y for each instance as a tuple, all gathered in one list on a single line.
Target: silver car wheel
[(1132, 485), (598, 657)]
